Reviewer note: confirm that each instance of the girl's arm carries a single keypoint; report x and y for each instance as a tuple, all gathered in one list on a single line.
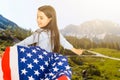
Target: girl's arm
[(77, 51), (29, 40), (68, 46)]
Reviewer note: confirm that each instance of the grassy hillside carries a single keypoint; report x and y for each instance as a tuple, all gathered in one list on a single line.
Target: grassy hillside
[(95, 68)]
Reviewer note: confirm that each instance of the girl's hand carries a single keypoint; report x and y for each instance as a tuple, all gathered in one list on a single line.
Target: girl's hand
[(77, 51)]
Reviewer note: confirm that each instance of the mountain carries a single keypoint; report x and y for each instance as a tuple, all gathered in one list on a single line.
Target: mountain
[(10, 32), (6, 23), (95, 30)]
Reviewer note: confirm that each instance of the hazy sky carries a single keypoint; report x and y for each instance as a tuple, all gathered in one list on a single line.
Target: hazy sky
[(23, 12)]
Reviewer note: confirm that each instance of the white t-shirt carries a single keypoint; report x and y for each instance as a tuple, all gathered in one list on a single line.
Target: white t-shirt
[(42, 38)]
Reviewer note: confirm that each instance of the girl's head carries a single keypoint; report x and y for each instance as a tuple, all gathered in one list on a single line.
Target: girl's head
[(46, 15), (46, 19)]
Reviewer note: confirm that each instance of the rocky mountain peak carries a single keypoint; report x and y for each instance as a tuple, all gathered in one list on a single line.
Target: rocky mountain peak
[(94, 29)]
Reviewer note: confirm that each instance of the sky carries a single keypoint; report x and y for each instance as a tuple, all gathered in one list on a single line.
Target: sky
[(23, 12)]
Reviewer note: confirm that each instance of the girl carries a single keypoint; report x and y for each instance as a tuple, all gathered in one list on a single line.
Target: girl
[(48, 36)]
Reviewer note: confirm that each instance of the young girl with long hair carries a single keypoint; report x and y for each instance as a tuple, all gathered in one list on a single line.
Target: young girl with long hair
[(48, 36)]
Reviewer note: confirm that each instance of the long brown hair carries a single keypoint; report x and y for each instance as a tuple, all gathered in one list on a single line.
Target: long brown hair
[(49, 11)]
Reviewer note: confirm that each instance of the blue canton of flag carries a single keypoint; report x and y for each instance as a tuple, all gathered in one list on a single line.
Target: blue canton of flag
[(38, 64)]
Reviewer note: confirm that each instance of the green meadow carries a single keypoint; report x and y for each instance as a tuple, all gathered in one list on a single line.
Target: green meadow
[(97, 68), (109, 52)]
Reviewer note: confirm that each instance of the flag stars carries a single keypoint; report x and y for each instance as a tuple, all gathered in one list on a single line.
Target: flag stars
[(67, 67), (55, 55), (30, 66), (42, 68), (53, 64), (55, 69), (60, 63), (36, 72), (70, 72), (66, 72), (24, 71), (46, 63), (30, 78), (45, 53), (23, 59), (38, 48), (35, 61), (22, 49), (64, 59), (40, 56), (34, 51), (57, 58), (51, 74), (53, 77), (29, 55)]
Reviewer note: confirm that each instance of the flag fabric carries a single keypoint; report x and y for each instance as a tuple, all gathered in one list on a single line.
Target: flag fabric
[(1, 73), (33, 63)]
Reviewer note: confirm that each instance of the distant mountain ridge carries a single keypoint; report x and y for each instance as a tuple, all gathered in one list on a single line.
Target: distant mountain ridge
[(6, 23), (11, 32), (94, 30)]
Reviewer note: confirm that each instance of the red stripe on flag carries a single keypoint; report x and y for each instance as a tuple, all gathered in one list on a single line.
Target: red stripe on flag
[(6, 65), (63, 77)]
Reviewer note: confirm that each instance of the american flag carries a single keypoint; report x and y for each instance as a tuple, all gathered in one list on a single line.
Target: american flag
[(33, 63)]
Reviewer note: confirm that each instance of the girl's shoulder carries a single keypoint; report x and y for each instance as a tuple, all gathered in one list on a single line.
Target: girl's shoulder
[(39, 30), (42, 32)]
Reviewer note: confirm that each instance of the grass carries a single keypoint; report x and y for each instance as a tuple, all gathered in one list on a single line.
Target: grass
[(109, 52), (97, 68)]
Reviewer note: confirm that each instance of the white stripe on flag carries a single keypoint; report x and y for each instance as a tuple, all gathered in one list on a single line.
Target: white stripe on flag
[(14, 63), (68, 78), (1, 73)]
